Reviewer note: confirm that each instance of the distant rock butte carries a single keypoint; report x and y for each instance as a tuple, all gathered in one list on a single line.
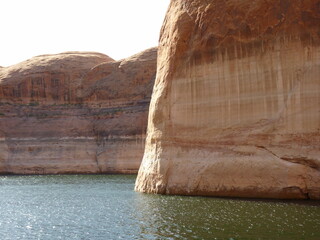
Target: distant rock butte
[(48, 78), (235, 110), (75, 112)]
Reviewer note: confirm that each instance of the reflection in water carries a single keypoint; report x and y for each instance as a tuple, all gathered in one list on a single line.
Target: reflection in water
[(106, 207)]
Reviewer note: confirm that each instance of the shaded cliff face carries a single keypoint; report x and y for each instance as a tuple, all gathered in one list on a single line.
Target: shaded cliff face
[(86, 132), (235, 110)]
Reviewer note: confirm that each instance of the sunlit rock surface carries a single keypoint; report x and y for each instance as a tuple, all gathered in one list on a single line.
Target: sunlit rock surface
[(235, 110), (75, 112)]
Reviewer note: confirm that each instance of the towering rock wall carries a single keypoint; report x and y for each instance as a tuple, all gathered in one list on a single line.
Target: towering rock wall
[(75, 112), (235, 109)]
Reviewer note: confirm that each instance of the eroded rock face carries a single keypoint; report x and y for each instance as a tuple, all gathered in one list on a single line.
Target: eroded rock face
[(235, 110), (68, 113), (49, 79)]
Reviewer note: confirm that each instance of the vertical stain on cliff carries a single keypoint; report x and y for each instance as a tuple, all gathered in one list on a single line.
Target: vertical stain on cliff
[(82, 111), (233, 75)]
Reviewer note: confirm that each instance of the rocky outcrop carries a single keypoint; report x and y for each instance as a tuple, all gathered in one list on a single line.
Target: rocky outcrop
[(75, 113), (235, 110), (48, 79)]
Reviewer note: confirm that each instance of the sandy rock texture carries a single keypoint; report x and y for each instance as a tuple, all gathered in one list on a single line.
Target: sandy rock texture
[(75, 112), (235, 109), (48, 78)]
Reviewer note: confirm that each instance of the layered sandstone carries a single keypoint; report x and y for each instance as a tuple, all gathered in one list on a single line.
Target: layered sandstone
[(75, 113), (235, 109)]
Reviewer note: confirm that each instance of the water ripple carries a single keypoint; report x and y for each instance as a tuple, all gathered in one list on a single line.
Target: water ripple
[(106, 207)]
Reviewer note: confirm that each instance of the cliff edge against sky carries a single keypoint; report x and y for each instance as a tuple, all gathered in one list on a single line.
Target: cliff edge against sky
[(235, 109)]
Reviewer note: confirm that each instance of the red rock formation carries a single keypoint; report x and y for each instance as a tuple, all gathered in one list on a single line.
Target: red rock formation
[(102, 84), (235, 110), (48, 78), (80, 120)]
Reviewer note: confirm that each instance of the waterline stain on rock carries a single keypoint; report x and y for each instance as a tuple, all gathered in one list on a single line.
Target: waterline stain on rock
[(75, 112)]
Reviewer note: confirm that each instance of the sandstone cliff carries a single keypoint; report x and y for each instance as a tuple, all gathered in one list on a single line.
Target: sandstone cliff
[(75, 112), (235, 109), (51, 79)]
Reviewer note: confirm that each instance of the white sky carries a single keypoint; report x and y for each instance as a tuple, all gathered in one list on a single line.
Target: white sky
[(118, 28)]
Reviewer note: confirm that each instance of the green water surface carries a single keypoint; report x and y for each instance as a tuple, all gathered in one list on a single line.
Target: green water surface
[(106, 207)]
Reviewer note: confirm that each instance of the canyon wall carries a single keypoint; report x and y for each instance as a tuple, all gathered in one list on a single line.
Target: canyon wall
[(235, 109), (75, 112)]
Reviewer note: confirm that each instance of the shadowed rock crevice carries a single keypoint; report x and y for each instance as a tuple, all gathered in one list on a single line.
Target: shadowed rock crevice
[(303, 160)]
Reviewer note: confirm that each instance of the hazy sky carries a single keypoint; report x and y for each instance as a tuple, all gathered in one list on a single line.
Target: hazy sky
[(118, 28)]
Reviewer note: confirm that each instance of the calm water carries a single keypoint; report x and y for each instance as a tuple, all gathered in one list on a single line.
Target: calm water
[(106, 207)]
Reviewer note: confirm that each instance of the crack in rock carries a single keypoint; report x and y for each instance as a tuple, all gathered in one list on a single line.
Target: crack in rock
[(305, 161)]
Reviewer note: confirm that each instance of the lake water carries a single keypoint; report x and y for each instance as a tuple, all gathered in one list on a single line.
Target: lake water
[(106, 207)]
